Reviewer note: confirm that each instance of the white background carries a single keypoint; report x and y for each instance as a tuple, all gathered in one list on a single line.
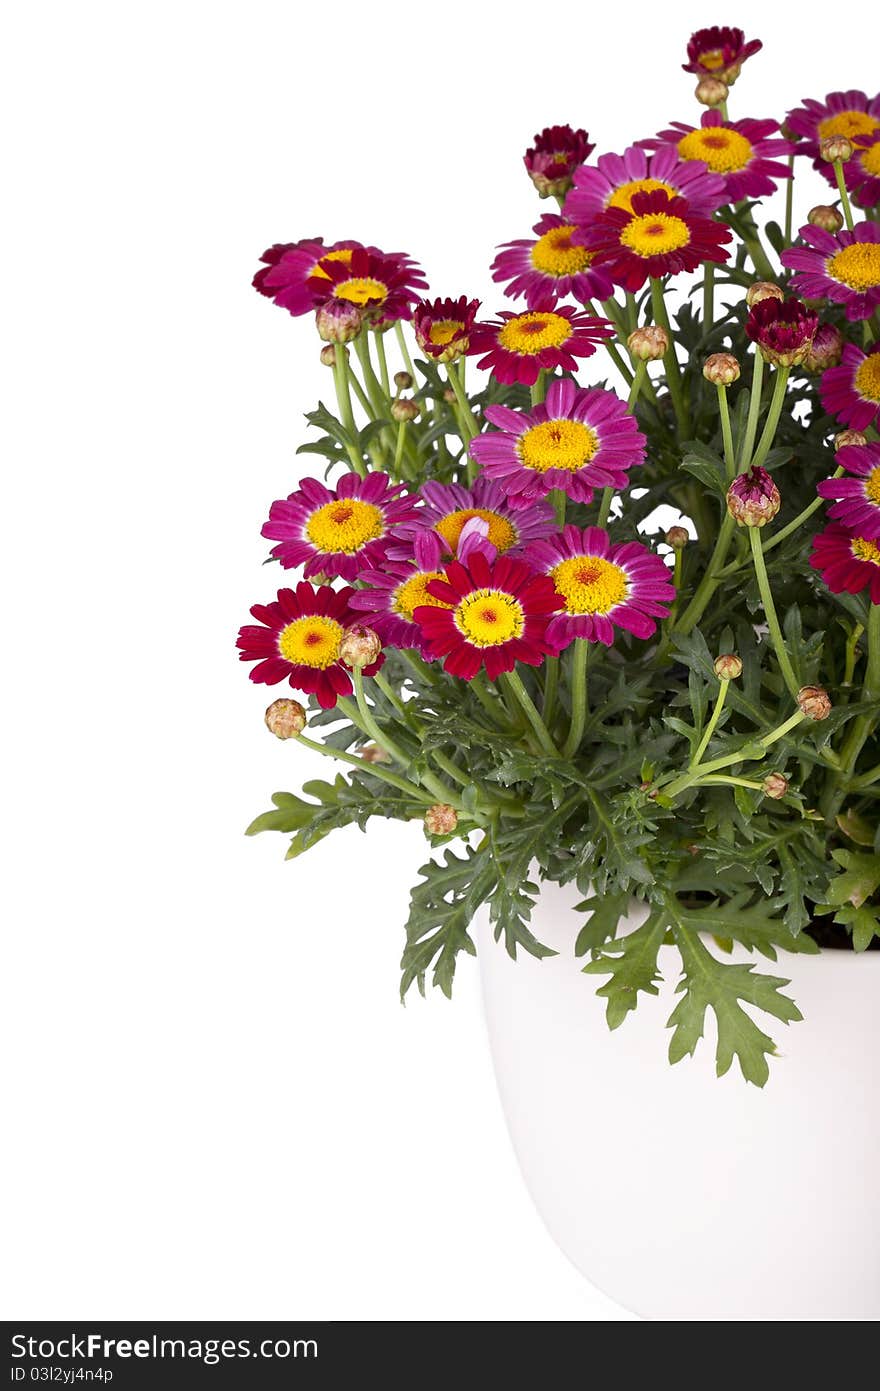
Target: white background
[(216, 1106)]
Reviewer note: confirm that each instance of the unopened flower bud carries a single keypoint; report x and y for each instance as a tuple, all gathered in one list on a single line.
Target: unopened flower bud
[(286, 718), (372, 753), (728, 667), (828, 218), (849, 437), (328, 354), (782, 331), (814, 702), (753, 498), (440, 819), (775, 786), (338, 321), (449, 396), (403, 381), (677, 537), (836, 147), (762, 289), (826, 349), (404, 409), (359, 646), (721, 368), (711, 91), (648, 344)]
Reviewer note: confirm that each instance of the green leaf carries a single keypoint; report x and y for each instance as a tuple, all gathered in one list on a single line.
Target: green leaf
[(631, 962), (604, 916), (441, 909), (341, 803), (859, 880)]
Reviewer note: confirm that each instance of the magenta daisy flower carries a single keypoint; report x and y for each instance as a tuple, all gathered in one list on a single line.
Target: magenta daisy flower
[(393, 593), (852, 114), (576, 441), (552, 160), (615, 180), (298, 639), (847, 562), (660, 236), (844, 267), (337, 532), (518, 346), (745, 154), (852, 390), (862, 172), (719, 52), (449, 509), (443, 326), (490, 615), (602, 587), (858, 507), (289, 266), (384, 287), (550, 267)]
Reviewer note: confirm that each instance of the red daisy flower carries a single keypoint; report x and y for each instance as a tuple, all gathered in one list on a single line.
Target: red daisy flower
[(858, 507), (661, 236), (298, 638), (551, 267), (337, 532), (518, 346), (844, 268), (602, 587), (443, 326), (852, 390), (552, 160), (745, 154), (851, 113), (497, 616), (384, 287), (289, 266), (847, 562), (719, 52)]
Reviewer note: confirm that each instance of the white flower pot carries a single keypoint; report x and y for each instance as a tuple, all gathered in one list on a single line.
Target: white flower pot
[(679, 1194)]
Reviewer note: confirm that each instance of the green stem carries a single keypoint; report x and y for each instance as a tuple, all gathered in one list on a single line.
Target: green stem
[(726, 432), (789, 199), (391, 695), (383, 739), (720, 780), (670, 361), (343, 396), (865, 779), (713, 721), (379, 340), (469, 426), (551, 686), (741, 221), (375, 770), (493, 706), (748, 443), (638, 383), (763, 744), (512, 682), (404, 350), (862, 726), (605, 506), (538, 389), (782, 656), (708, 296), (398, 450), (844, 196), (579, 659), (777, 401), (711, 577)]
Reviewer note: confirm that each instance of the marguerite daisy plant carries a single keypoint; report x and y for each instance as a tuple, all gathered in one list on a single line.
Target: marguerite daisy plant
[(564, 594)]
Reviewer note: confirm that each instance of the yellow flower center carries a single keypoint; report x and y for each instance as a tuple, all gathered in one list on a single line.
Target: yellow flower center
[(872, 485), (622, 197), (362, 289), (565, 444), (849, 123), (414, 593), (724, 151), (344, 255), (870, 159), (443, 330), (555, 254), (712, 58), (867, 379), (501, 533), (857, 266), (589, 584), (655, 234), (528, 334), (489, 617), (311, 642), (344, 526), (864, 549)]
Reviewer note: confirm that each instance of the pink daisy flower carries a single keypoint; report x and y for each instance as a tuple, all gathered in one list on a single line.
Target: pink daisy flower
[(384, 287), (847, 562), (858, 507), (660, 236), (852, 114), (614, 180), (337, 532), (719, 52), (298, 638), (576, 440), (450, 510), (602, 587), (550, 267), (518, 346), (844, 268), (393, 593), (852, 390), (745, 154), (552, 160), (490, 615), (289, 266)]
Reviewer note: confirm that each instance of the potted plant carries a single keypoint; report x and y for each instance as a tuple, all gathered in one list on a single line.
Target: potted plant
[(645, 752)]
